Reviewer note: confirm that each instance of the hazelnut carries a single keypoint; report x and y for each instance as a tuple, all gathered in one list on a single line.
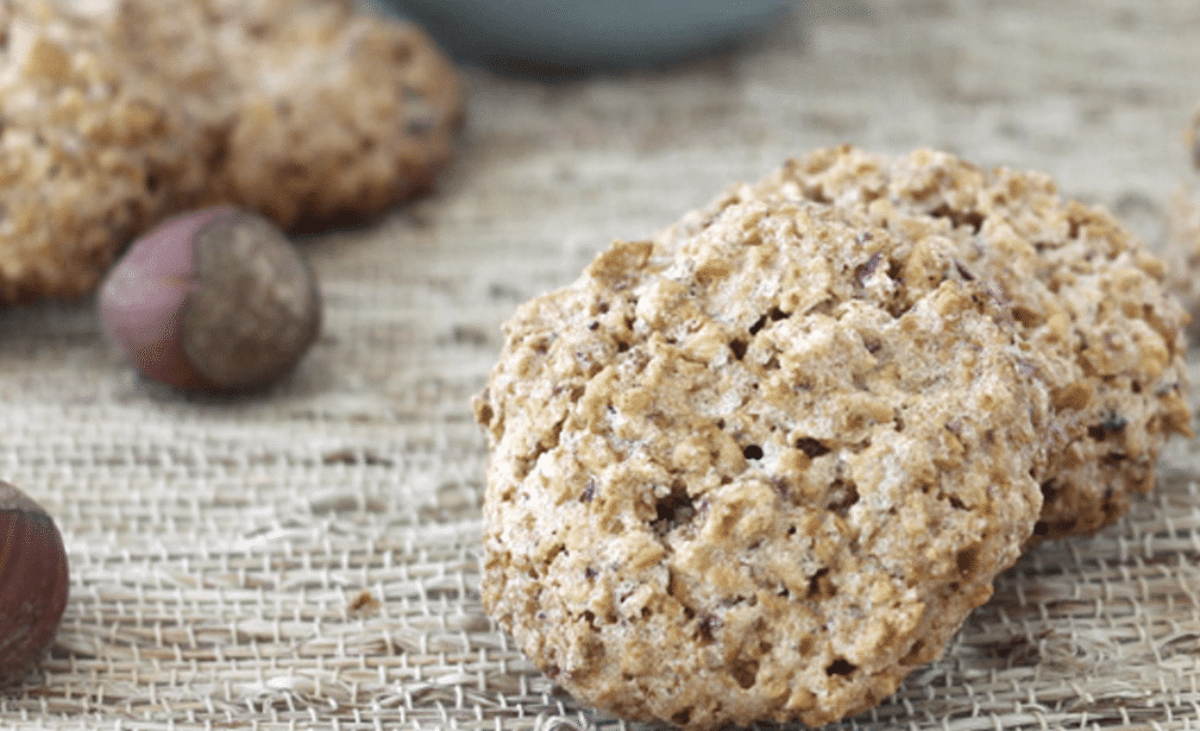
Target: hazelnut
[(33, 582), (214, 300)]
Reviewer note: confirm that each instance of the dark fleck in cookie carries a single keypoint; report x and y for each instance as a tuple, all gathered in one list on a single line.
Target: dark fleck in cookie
[(760, 468), (120, 112), (1088, 299)]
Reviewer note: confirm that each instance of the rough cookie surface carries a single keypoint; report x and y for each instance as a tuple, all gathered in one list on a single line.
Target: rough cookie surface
[(1088, 298), (759, 468), (120, 112)]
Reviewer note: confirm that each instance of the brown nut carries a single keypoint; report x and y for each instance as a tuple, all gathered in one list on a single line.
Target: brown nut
[(33, 582), (214, 300)]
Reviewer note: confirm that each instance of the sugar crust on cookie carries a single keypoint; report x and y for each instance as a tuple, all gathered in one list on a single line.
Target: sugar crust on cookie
[(759, 468)]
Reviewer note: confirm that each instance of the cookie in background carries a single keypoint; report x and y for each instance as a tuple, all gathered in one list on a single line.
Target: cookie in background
[(1182, 252), (119, 113)]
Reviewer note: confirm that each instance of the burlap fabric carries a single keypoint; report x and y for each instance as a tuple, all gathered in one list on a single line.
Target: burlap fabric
[(308, 558)]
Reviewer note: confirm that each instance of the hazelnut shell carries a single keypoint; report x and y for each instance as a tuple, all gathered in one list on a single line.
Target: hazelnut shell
[(33, 582), (215, 300)]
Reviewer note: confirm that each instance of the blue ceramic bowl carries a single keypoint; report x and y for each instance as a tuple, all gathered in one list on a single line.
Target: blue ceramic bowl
[(549, 37)]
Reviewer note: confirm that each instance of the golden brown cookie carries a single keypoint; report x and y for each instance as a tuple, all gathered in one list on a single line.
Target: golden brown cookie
[(332, 115), (90, 152), (1191, 138), (1088, 298), (758, 469), (119, 112), (1182, 252)]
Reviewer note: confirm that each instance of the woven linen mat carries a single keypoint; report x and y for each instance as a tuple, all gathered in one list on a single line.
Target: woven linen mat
[(308, 557)]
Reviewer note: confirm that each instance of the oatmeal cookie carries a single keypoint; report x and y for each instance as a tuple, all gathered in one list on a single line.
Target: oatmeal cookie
[(329, 115), (1089, 299), (1182, 252), (758, 469), (118, 113), (1191, 138), (90, 152)]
